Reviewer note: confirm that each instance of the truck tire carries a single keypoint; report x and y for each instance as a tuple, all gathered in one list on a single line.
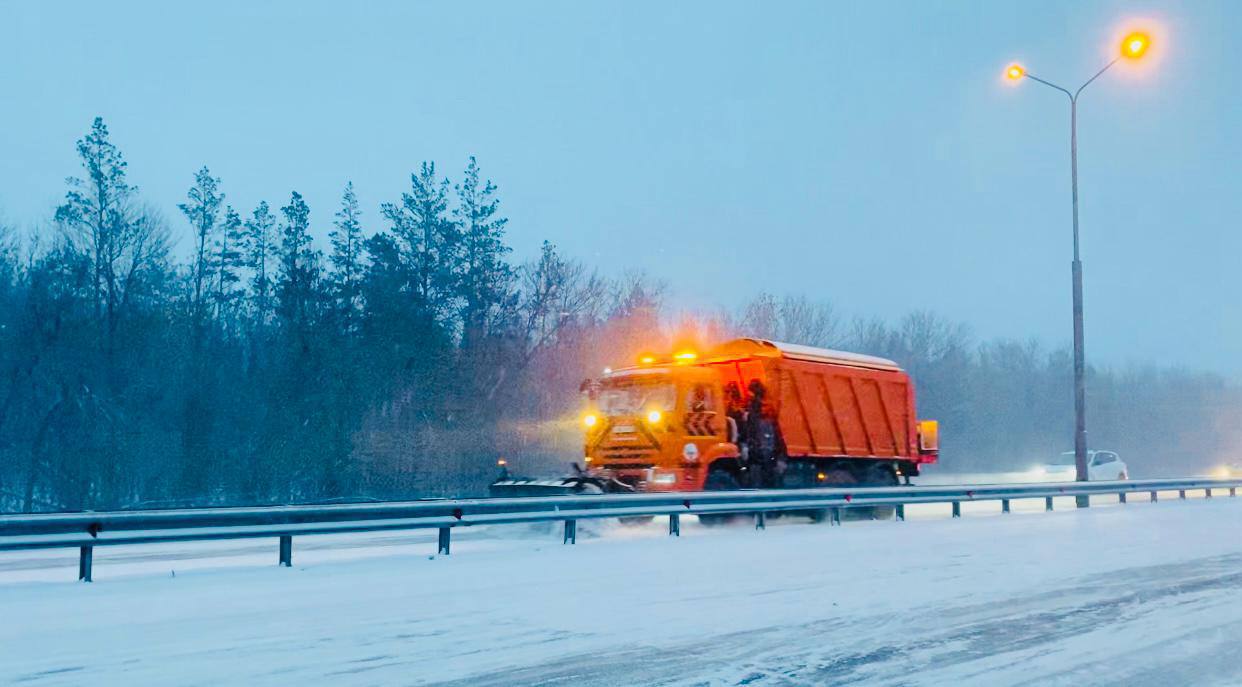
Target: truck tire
[(635, 520), (835, 478), (719, 480), (880, 476)]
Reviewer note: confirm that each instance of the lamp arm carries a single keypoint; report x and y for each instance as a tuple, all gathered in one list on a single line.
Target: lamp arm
[(1051, 85), (1097, 75)]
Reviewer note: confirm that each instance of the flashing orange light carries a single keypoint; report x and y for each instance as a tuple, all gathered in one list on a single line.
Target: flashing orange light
[(502, 462), (647, 359), (1135, 45), (589, 419), (1015, 71), (821, 476), (686, 356)]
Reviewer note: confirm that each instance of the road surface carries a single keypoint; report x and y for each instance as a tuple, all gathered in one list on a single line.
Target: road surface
[(1141, 594)]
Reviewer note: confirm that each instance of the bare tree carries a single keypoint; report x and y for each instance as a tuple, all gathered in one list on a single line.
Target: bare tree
[(793, 319), (555, 294)]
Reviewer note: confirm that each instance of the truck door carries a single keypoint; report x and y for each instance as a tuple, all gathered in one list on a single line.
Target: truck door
[(702, 416)]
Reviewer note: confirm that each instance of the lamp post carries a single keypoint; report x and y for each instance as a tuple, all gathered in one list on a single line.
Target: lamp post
[(1133, 47)]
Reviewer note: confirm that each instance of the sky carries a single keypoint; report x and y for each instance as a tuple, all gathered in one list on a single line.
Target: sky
[(866, 153)]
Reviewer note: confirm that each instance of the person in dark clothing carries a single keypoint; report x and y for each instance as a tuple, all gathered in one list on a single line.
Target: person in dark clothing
[(760, 438), (735, 409)]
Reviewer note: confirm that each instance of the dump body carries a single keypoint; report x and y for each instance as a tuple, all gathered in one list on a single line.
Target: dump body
[(831, 404), (767, 414)]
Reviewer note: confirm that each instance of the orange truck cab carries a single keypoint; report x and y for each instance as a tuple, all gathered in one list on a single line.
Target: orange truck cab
[(753, 413)]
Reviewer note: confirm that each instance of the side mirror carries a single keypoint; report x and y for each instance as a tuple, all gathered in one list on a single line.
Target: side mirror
[(589, 387)]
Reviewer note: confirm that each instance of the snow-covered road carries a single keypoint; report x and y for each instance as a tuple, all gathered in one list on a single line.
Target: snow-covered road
[(1136, 594)]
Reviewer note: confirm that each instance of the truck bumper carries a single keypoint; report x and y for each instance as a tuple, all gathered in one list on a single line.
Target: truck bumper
[(654, 479)]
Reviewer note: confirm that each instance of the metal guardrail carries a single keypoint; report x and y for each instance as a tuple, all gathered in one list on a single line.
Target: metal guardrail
[(89, 529)]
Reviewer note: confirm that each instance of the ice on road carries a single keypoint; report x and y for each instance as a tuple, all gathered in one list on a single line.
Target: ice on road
[(1137, 594)]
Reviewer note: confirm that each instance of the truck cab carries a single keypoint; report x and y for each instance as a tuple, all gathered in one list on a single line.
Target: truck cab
[(655, 427)]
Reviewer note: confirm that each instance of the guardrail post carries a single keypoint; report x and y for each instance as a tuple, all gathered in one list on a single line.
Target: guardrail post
[(761, 520), (1233, 491), (1181, 494), (1047, 503), (85, 555), (1154, 497), (1207, 493), (901, 512), (1004, 505), (957, 509), (445, 540), (286, 550), (571, 532), (836, 516), (1121, 497), (674, 525)]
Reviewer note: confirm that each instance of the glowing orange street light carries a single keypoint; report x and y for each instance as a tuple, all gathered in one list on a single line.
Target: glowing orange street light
[(1135, 45)]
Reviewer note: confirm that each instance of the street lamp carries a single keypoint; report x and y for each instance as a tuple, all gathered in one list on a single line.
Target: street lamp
[(1133, 47)]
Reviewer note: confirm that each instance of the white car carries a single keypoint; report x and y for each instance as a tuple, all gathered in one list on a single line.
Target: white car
[(1228, 471), (1102, 466)]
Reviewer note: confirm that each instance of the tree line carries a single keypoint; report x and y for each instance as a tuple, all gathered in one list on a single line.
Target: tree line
[(408, 356)]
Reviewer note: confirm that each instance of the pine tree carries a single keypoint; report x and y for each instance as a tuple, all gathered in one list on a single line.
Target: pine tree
[(485, 282), (227, 262), (299, 265), (427, 240), (259, 247), (346, 259), (203, 211), (102, 224)]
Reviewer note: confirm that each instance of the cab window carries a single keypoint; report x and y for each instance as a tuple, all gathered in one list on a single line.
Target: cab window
[(635, 396), (701, 398)]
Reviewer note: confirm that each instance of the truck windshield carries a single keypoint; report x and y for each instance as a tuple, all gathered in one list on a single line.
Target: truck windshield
[(637, 395)]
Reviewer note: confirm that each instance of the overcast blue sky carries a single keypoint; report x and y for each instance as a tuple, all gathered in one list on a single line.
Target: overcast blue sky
[(868, 153)]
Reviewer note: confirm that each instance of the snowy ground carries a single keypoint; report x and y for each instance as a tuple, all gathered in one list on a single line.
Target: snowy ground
[(1136, 594)]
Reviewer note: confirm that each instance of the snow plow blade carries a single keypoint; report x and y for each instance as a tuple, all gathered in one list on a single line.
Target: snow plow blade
[(512, 488), (562, 486)]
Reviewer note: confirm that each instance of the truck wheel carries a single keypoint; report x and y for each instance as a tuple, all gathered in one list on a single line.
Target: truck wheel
[(833, 479), (719, 480), (636, 520), (881, 476)]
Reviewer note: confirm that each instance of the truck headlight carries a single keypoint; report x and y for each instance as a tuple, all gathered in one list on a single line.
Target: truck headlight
[(665, 478), (654, 416)]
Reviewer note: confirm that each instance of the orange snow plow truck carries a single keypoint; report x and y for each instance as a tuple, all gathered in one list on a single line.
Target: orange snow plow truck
[(749, 413)]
